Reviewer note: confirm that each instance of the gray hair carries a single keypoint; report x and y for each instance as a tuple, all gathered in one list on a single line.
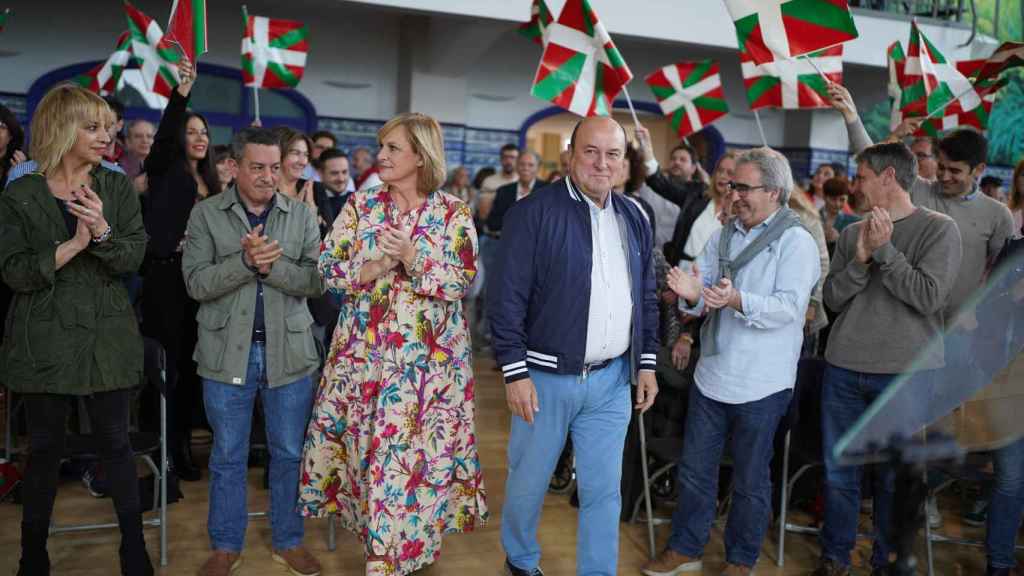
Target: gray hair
[(774, 168), (527, 152), (893, 155), (252, 135)]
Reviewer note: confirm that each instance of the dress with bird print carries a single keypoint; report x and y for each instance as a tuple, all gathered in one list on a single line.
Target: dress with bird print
[(391, 447)]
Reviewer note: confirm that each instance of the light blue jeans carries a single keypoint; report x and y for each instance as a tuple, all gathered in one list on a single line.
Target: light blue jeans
[(596, 411), (229, 409)]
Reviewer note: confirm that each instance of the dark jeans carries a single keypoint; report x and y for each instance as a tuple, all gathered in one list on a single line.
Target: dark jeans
[(47, 424), (1007, 506), (751, 427), (845, 396)]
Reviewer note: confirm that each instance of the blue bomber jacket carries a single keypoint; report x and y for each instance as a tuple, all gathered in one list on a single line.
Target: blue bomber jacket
[(538, 299)]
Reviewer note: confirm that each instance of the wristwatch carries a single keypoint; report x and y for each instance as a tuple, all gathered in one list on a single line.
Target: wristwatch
[(103, 237)]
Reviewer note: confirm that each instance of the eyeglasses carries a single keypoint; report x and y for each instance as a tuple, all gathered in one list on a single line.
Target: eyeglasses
[(923, 156), (743, 189)]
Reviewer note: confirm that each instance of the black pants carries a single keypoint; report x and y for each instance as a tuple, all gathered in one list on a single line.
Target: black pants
[(169, 316), (47, 416)]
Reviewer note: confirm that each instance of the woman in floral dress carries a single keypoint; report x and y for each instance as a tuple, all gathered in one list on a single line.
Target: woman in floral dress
[(391, 447)]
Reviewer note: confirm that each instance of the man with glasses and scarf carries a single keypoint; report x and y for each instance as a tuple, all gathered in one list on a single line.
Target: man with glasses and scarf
[(753, 281)]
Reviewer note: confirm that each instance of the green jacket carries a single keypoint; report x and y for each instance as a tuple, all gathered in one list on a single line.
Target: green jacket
[(217, 277), (73, 330)]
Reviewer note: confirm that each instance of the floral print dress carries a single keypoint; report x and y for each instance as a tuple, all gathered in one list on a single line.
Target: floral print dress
[(391, 446)]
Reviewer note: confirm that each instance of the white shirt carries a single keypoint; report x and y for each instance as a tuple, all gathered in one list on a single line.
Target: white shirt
[(611, 310), (491, 184), (524, 191), (666, 213), (703, 227), (758, 348)]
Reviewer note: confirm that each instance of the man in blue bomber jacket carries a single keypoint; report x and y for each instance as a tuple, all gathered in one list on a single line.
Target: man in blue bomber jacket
[(574, 317)]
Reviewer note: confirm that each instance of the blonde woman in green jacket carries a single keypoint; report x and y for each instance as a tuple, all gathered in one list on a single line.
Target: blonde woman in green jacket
[(67, 235)]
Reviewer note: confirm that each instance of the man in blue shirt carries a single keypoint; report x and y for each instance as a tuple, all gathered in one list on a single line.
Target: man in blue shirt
[(574, 314), (754, 281)]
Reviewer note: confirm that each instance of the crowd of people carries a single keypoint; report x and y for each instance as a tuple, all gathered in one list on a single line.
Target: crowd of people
[(345, 291)]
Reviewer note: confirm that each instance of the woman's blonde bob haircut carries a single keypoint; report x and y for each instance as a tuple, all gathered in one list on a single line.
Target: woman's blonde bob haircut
[(425, 137), (57, 119)]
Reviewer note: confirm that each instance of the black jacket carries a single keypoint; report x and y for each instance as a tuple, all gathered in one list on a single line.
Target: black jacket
[(172, 188), (691, 200), (504, 198)]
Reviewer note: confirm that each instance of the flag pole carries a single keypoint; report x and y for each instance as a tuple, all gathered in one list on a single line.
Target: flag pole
[(632, 110), (760, 128), (817, 68), (256, 102)]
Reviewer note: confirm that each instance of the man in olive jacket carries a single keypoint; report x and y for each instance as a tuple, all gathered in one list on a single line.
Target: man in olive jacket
[(250, 260)]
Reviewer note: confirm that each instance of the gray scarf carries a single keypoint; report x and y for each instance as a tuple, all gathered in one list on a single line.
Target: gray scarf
[(728, 268)]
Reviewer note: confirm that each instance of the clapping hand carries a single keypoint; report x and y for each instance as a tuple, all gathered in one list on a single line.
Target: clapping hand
[(88, 208), (259, 251), (686, 284), (722, 295), (397, 244)]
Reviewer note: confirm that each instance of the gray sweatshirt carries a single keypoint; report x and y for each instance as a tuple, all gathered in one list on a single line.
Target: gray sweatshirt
[(985, 226), (890, 309)]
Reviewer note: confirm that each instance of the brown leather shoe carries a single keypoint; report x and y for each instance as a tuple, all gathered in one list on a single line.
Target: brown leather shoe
[(298, 561), (737, 570), (221, 563), (671, 563)]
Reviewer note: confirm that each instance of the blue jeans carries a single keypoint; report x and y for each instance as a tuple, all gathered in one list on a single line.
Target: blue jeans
[(596, 411), (1006, 507), (709, 424), (845, 396), (229, 408)]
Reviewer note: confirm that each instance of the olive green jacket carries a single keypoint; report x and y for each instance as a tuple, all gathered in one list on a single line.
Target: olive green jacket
[(73, 330), (217, 277)]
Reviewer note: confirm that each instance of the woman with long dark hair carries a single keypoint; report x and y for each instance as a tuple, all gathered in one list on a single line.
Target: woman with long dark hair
[(12, 138), (181, 172), (68, 232)]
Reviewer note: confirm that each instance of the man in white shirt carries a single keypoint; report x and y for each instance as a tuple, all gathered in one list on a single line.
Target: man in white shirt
[(755, 290)]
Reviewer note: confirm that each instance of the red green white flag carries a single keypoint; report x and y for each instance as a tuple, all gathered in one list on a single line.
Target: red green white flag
[(274, 52), (931, 81), (897, 60), (157, 58), (770, 30), (690, 94), (792, 84), (105, 77), (581, 69), (187, 27), (1008, 55), (953, 115), (3, 18), (540, 19)]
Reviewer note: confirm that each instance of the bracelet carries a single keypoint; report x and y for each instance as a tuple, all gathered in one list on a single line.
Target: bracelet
[(103, 237)]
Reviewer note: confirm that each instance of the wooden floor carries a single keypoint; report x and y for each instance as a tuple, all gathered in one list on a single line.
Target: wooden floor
[(95, 553)]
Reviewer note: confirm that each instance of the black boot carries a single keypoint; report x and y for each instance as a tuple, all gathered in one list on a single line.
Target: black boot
[(135, 558), (35, 561), (183, 466)]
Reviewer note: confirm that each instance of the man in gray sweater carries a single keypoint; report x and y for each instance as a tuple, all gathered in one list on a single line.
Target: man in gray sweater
[(890, 279)]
